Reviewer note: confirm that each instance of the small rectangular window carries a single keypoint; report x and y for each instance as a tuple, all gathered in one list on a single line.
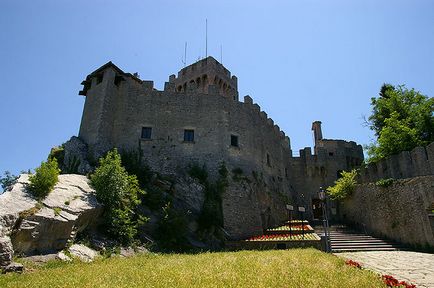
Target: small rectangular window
[(330, 153), (146, 132), (268, 160), (234, 140), (99, 78), (118, 80), (188, 135)]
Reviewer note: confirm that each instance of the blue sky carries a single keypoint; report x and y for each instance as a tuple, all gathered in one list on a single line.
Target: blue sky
[(301, 61)]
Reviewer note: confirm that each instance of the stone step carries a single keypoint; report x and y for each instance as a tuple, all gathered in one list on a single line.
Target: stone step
[(356, 249), (362, 245), (346, 240), (360, 241)]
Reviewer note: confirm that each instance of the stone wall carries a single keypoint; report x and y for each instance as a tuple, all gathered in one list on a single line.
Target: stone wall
[(399, 212), (418, 162)]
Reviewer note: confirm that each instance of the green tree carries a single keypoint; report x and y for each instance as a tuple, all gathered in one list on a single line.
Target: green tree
[(44, 179), (401, 119), (344, 186), (7, 180), (119, 193)]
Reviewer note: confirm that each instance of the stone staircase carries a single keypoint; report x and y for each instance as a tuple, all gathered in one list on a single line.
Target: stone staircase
[(344, 239)]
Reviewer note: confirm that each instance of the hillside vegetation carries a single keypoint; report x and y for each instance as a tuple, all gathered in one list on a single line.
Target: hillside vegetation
[(279, 268)]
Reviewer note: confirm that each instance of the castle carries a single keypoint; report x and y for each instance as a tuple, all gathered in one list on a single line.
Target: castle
[(198, 118)]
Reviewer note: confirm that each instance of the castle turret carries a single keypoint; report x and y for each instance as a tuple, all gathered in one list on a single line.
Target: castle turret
[(199, 76)]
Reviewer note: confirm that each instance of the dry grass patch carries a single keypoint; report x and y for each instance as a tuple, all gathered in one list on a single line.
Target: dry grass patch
[(279, 268)]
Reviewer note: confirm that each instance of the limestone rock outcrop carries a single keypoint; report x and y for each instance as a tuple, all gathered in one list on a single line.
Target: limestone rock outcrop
[(76, 155), (31, 227), (82, 252)]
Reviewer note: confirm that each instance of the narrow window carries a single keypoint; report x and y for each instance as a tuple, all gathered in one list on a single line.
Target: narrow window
[(146, 132), (268, 160), (234, 140), (188, 135), (99, 78), (118, 80)]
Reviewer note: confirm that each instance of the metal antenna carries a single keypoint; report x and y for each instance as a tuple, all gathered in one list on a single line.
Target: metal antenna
[(221, 53), (206, 38), (185, 54)]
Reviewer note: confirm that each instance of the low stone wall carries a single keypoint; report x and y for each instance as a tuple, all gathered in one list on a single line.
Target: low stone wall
[(417, 162), (399, 212), (272, 245)]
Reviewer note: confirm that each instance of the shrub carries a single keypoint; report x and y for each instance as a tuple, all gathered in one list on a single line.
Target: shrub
[(211, 216), (172, 229), (119, 193), (199, 173), (58, 153), (7, 180), (44, 179), (344, 186), (385, 182), (237, 174), (57, 211), (132, 161)]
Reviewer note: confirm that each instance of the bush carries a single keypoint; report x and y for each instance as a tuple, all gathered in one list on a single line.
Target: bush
[(44, 179), (172, 230), (385, 182), (199, 173), (119, 193), (132, 161), (344, 186), (211, 216), (7, 180)]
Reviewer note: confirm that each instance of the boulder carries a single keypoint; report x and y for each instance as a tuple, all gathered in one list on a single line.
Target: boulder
[(82, 252), (63, 257), (13, 267), (76, 156), (6, 251), (41, 228)]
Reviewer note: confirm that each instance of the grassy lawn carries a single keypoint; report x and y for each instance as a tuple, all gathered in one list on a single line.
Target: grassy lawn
[(279, 268)]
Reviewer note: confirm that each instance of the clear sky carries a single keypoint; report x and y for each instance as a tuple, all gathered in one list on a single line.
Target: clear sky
[(301, 60)]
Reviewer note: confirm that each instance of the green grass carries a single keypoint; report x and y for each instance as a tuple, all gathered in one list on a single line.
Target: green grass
[(279, 268)]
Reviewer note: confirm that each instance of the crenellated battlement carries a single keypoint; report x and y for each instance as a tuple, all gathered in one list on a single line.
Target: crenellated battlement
[(199, 76), (248, 102)]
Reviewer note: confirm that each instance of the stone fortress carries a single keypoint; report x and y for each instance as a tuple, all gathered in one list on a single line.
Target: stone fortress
[(198, 118)]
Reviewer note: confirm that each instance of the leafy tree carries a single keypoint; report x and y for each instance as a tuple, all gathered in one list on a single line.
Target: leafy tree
[(119, 193), (7, 180), (401, 119), (44, 179), (344, 186)]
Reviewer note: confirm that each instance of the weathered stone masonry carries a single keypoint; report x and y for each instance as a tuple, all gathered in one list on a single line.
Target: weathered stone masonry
[(204, 99)]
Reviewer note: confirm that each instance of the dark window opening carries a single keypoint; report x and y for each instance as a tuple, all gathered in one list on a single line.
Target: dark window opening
[(146, 132), (99, 78), (330, 153), (118, 80), (338, 174), (268, 160), (286, 172), (234, 140), (188, 135)]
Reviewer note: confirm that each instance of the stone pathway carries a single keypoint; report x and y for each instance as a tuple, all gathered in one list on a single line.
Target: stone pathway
[(412, 267)]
